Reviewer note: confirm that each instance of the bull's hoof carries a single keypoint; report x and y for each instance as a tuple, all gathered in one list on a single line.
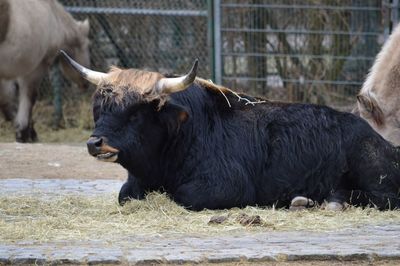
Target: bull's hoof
[(300, 203), (296, 208), (332, 206), (125, 194), (122, 201)]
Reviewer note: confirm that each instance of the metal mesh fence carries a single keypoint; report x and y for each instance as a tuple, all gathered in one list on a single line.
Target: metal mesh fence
[(164, 36), (295, 50), (300, 50)]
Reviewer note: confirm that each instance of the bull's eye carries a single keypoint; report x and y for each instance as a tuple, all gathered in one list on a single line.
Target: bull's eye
[(96, 112), (133, 117), (108, 92)]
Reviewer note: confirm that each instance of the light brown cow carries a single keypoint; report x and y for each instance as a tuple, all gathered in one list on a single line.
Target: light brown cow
[(31, 34), (379, 98)]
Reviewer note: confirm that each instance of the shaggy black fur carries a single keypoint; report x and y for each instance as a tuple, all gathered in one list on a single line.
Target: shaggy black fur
[(206, 154)]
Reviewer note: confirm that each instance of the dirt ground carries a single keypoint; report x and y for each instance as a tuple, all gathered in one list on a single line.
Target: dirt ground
[(54, 161)]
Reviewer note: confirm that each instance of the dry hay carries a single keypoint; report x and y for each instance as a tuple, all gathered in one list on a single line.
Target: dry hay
[(35, 218)]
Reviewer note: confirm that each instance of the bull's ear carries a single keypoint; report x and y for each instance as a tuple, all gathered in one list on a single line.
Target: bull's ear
[(173, 116)]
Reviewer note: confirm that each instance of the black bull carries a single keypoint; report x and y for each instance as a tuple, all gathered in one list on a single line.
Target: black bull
[(209, 147)]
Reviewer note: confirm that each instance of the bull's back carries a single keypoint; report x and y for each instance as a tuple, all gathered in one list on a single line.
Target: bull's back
[(306, 152)]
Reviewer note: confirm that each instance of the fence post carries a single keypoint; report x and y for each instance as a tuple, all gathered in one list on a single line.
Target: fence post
[(216, 38), (210, 37), (56, 82), (390, 9), (394, 13)]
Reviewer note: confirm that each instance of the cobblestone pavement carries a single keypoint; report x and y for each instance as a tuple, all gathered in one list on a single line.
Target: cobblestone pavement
[(368, 243), (55, 187)]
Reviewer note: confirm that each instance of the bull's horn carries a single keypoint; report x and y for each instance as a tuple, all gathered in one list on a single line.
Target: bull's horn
[(170, 85), (92, 76)]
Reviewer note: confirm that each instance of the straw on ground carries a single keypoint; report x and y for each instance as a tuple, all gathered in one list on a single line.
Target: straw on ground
[(36, 218)]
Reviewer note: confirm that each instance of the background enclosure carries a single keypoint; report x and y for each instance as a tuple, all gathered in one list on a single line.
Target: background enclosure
[(295, 50)]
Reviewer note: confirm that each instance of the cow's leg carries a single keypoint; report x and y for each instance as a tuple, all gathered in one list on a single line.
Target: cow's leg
[(28, 86), (23, 121), (130, 190), (8, 98)]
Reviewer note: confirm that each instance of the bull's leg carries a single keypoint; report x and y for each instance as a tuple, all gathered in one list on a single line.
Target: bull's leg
[(130, 190), (375, 172), (358, 198), (28, 86), (201, 194)]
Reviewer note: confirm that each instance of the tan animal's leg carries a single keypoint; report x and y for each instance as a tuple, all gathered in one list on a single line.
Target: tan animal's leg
[(28, 86), (8, 98)]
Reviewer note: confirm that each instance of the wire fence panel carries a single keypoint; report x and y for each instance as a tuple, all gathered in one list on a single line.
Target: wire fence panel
[(310, 50), (164, 36), (295, 50)]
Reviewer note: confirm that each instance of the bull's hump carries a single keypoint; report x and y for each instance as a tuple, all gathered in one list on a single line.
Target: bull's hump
[(4, 19)]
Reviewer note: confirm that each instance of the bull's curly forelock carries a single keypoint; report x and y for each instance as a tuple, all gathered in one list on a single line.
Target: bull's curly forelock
[(121, 83), (129, 86)]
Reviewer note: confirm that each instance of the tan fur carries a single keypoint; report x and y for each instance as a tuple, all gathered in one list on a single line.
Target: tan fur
[(4, 19), (37, 30), (140, 81), (371, 106), (122, 81), (379, 97), (211, 86)]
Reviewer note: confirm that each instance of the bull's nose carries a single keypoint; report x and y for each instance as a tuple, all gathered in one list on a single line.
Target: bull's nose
[(94, 145)]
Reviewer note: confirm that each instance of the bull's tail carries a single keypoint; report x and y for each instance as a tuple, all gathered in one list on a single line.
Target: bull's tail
[(368, 104)]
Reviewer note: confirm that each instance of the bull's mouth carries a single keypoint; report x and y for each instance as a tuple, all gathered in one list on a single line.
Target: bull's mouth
[(107, 153), (107, 157), (99, 148)]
